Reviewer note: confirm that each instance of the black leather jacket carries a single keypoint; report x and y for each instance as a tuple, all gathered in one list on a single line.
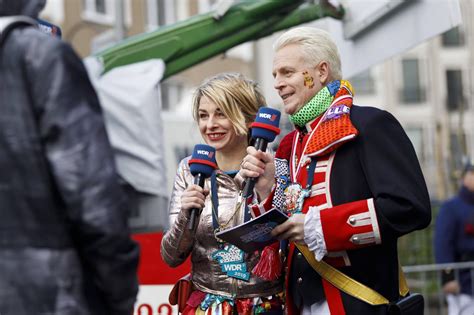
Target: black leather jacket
[(64, 240)]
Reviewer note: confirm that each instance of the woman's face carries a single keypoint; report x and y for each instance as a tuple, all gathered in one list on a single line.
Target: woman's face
[(216, 129)]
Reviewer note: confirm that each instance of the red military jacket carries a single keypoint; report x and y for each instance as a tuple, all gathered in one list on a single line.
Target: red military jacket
[(369, 192)]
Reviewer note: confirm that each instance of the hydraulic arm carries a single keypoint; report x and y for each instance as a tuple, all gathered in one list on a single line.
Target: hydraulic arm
[(201, 37)]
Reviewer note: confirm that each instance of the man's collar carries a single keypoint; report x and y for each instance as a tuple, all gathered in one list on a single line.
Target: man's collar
[(309, 127)]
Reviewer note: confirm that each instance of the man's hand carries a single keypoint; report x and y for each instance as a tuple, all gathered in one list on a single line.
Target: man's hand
[(259, 164), (292, 229), (451, 287)]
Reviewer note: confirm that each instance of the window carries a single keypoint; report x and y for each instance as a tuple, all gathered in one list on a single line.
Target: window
[(99, 11), (412, 91), (105, 12), (205, 6), (161, 12), (171, 94), (100, 6), (457, 146), (453, 38), (363, 83), (151, 11), (455, 97)]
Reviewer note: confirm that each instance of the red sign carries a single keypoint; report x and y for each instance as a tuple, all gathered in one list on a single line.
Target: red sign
[(156, 277)]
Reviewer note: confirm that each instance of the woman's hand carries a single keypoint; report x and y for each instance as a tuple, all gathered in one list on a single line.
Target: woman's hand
[(193, 198), (259, 164)]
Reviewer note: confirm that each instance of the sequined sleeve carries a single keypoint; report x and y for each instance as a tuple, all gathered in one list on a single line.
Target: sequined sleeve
[(178, 241)]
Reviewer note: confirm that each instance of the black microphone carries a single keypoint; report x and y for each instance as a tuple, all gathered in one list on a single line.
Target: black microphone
[(202, 164), (264, 130)]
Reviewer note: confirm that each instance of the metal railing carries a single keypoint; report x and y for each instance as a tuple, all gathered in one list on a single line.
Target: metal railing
[(425, 279)]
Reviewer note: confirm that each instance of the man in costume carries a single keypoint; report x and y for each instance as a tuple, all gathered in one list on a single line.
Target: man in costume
[(348, 177), (65, 246), (454, 242)]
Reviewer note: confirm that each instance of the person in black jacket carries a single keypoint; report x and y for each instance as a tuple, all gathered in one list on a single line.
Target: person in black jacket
[(348, 177), (65, 246)]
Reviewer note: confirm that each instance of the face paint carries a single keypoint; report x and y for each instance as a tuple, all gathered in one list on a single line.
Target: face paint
[(308, 80)]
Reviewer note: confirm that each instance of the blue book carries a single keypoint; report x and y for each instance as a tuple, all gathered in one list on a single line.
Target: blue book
[(254, 234)]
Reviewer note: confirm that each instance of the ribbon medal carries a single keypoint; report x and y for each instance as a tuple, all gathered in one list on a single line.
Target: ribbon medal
[(294, 198), (231, 260)]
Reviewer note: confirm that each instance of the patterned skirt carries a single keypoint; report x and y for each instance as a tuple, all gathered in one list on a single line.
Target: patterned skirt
[(201, 303)]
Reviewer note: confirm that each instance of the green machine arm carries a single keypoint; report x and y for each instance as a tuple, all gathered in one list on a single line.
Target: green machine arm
[(201, 37)]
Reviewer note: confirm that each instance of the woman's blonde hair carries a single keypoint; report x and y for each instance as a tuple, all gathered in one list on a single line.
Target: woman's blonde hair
[(237, 97)]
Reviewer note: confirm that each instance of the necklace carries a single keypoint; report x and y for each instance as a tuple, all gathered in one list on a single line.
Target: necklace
[(215, 209)]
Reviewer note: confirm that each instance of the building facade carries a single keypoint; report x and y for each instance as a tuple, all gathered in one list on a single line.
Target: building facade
[(429, 88)]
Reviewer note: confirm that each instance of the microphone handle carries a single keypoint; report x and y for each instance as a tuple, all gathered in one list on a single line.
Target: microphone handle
[(260, 145), (198, 180)]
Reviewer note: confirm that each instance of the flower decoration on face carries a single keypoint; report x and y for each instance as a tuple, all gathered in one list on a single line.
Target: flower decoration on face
[(308, 80)]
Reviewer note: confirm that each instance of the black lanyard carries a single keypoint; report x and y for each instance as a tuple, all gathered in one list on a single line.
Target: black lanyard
[(215, 203)]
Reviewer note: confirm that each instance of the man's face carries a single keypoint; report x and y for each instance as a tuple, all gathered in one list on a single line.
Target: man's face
[(468, 180), (295, 80)]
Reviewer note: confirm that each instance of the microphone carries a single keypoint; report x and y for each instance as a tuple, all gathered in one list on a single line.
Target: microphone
[(49, 28), (264, 130), (202, 164)]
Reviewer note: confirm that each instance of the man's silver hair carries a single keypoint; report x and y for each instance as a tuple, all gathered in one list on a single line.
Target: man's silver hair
[(316, 44)]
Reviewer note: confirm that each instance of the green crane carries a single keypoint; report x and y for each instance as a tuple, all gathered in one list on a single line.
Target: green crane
[(201, 37)]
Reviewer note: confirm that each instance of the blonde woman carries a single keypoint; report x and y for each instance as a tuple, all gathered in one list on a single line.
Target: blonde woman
[(224, 106)]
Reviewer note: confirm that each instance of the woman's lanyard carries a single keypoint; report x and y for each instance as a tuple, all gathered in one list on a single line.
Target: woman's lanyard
[(234, 265), (215, 204)]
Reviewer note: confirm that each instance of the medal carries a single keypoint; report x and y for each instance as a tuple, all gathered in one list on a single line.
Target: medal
[(231, 260), (294, 198), (294, 193)]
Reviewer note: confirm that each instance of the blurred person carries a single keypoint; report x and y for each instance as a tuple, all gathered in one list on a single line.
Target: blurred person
[(454, 242), (65, 246), (224, 106), (354, 184)]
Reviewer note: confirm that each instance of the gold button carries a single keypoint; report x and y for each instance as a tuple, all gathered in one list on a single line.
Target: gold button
[(300, 280)]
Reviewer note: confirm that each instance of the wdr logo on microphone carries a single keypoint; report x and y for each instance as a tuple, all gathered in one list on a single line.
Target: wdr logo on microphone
[(270, 117), (206, 153)]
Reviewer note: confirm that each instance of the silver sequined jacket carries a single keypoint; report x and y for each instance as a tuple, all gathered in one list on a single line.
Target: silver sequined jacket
[(206, 272)]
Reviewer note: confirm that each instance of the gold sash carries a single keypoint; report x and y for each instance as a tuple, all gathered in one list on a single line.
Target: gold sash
[(347, 284)]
